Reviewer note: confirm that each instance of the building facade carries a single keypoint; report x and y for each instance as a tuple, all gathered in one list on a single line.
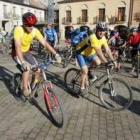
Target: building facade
[(90, 12), (12, 10)]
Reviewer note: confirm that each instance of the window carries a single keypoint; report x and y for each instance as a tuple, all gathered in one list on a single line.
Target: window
[(101, 14), (5, 8), (121, 14), (84, 16), (22, 10), (14, 11), (68, 16)]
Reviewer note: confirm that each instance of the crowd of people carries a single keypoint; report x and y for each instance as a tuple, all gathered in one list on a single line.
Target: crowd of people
[(88, 45)]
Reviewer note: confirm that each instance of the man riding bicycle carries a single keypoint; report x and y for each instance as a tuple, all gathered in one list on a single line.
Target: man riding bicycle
[(90, 49), (23, 37), (134, 41)]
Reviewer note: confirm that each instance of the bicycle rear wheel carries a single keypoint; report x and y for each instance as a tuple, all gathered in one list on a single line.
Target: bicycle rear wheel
[(72, 80), (54, 106), (115, 95)]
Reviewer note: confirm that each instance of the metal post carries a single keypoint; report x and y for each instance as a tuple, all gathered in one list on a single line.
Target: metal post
[(50, 11)]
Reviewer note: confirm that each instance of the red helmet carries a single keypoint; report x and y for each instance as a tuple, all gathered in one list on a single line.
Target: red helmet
[(29, 19)]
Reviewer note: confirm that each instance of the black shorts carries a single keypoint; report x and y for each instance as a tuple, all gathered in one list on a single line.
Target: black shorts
[(27, 57)]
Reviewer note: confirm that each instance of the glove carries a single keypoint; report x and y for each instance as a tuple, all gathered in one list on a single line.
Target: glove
[(109, 64), (58, 58), (115, 63), (25, 66)]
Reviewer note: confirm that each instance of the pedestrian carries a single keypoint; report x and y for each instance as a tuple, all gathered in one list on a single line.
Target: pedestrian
[(51, 36)]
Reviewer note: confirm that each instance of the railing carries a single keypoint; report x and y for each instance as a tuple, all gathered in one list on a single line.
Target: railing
[(66, 20), (137, 16), (115, 20), (95, 20), (16, 16), (6, 15), (81, 20)]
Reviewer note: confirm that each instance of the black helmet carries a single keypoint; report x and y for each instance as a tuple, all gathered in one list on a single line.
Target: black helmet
[(101, 26), (133, 29), (84, 29)]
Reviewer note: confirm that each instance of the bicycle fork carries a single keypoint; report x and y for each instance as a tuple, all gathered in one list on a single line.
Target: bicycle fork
[(110, 82), (46, 89)]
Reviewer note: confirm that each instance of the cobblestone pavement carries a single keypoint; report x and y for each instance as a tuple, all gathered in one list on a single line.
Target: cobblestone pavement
[(87, 119)]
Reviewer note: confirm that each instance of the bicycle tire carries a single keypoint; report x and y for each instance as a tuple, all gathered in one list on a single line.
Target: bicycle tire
[(67, 58), (16, 83), (72, 80), (116, 100), (138, 64), (55, 107)]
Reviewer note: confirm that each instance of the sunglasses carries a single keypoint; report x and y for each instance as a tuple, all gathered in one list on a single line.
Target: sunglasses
[(29, 25)]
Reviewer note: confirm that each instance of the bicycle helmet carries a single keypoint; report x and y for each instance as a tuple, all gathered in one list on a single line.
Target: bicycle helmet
[(101, 26), (113, 33), (133, 29), (84, 29), (29, 19)]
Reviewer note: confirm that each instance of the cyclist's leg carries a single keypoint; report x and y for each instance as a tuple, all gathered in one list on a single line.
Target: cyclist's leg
[(25, 76), (84, 69), (94, 59), (30, 59), (133, 54)]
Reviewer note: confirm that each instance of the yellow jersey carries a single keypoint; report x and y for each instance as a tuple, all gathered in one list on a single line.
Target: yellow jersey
[(26, 38), (94, 43)]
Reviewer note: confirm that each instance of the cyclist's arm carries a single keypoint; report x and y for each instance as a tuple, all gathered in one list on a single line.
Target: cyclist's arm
[(108, 51), (46, 45), (18, 49), (100, 54)]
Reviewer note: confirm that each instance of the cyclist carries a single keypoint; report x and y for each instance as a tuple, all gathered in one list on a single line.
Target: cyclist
[(134, 41), (89, 50), (23, 37)]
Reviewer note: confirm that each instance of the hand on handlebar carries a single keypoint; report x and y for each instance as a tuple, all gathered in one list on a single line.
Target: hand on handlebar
[(25, 66), (58, 58)]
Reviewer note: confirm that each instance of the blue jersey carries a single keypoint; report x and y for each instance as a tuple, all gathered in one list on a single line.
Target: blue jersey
[(51, 34)]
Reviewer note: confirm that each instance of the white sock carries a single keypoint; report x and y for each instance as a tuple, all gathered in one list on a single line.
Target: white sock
[(82, 87)]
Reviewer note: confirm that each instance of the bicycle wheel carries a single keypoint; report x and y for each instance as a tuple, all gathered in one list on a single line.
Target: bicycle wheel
[(115, 95), (16, 84), (72, 80), (54, 106), (67, 58), (138, 64)]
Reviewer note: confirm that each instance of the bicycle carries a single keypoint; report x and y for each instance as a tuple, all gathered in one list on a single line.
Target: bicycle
[(53, 102), (108, 94), (68, 54)]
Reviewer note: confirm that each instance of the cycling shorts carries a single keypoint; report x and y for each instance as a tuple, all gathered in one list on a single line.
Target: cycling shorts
[(27, 57), (83, 59)]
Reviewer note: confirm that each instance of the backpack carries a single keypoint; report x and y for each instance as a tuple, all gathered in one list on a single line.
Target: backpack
[(21, 30), (77, 36)]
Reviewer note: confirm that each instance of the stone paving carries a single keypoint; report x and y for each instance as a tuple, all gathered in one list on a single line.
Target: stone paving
[(87, 119)]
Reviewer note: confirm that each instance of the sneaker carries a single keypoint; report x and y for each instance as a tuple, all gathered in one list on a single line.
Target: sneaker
[(133, 70), (26, 92), (91, 77)]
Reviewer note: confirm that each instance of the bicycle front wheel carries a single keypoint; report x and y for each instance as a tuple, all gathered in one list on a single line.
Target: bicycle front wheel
[(67, 58), (115, 95), (55, 107), (72, 80)]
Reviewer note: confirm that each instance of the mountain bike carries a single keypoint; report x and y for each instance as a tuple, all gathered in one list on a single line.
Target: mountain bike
[(68, 54), (53, 102), (114, 93)]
